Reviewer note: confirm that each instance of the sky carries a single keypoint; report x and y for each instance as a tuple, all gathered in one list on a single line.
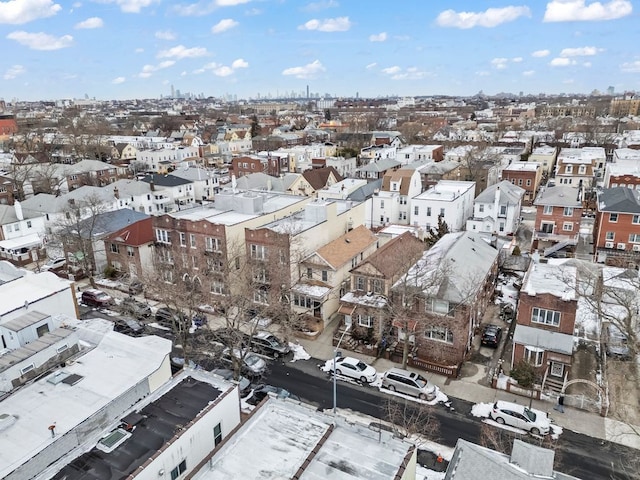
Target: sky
[(127, 49)]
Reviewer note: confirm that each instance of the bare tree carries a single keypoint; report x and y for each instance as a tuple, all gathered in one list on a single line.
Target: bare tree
[(414, 420)]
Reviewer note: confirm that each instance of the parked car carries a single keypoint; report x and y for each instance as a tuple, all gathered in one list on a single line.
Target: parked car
[(170, 318), (96, 298), (409, 383), (268, 344), (491, 335), (200, 319), (615, 343), (354, 368), (252, 365), (131, 306), (261, 391), (54, 263), (135, 287), (230, 337), (531, 420), (128, 326), (244, 384)]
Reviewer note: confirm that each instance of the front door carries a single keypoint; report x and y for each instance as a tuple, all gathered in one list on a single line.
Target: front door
[(557, 369)]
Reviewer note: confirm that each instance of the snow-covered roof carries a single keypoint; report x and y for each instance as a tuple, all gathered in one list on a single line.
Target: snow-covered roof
[(547, 339), (277, 442), (315, 291), (554, 278), (375, 301)]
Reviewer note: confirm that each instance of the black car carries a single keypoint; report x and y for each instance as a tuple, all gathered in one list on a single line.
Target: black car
[(131, 306), (128, 326), (491, 336), (268, 344), (170, 318), (263, 390)]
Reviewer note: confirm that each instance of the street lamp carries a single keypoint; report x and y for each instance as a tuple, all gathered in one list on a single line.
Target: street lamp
[(335, 357)]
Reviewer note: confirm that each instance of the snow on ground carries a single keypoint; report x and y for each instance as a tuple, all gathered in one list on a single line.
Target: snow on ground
[(299, 353), (528, 210), (426, 474), (104, 282)]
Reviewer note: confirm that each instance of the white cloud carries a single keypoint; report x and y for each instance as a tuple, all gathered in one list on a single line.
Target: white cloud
[(14, 71), (578, 10), (18, 12), (308, 71), (528, 73), (631, 67), (181, 51), (321, 5), (568, 81), (165, 35), (562, 62), (391, 70), (118, 80), (224, 25), (339, 24), (148, 70), (483, 73), (223, 71), (580, 52), (411, 73), (380, 37), (499, 63), (239, 63), (491, 17), (139, 50), (131, 6), (41, 41), (230, 3), (371, 65), (541, 53), (516, 59), (586, 64), (89, 23)]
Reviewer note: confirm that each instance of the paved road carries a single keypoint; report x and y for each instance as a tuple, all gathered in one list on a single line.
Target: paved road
[(576, 454)]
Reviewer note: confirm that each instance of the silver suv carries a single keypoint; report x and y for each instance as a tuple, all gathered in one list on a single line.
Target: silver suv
[(410, 383)]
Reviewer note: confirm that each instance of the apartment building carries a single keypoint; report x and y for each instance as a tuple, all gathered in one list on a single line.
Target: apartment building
[(392, 203), (546, 156), (616, 231), (451, 200), (526, 175)]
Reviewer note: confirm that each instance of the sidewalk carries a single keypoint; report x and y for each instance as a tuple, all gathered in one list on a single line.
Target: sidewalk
[(468, 388)]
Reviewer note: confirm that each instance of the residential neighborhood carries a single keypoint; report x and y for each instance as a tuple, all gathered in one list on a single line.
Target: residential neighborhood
[(300, 289)]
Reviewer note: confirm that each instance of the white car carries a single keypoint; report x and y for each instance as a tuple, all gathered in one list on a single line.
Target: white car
[(529, 419), (354, 368), (54, 263)]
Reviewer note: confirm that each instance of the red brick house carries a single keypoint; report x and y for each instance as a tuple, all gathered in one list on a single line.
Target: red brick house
[(545, 322), (6, 191), (130, 249), (245, 165), (558, 216), (526, 175), (616, 231)]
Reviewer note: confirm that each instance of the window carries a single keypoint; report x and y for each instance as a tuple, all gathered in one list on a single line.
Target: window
[(442, 212), (519, 182), (548, 210), (115, 248), (42, 329), (28, 223), (192, 240), (428, 211), (503, 209), (309, 272), (377, 285), (131, 251), (568, 169), (440, 334), (360, 283), (613, 217), (415, 210), (26, 369), (610, 236), (534, 355), (582, 169), (183, 239), (260, 296), (636, 219), (217, 287), (217, 434), (162, 236), (212, 244), (547, 317), (62, 348), (568, 211), (258, 252), (16, 227), (634, 238), (179, 470), (365, 320), (481, 208), (325, 275), (528, 182), (381, 203), (567, 226)]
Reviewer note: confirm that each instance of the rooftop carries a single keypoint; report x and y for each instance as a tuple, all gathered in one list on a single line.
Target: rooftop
[(554, 278), (446, 190), (522, 166)]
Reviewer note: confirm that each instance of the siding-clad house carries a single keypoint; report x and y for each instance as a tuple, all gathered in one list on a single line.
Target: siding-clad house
[(440, 301), (324, 272), (451, 200), (392, 203), (497, 209), (545, 322)]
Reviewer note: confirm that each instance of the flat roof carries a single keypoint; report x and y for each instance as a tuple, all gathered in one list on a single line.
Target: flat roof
[(155, 424), (279, 439), (446, 190), (519, 166), (30, 288), (18, 355), (107, 371), (554, 278)]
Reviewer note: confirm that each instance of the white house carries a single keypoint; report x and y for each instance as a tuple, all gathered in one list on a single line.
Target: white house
[(20, 232), (392, 203), (205, 182), (497, 209), (545, 156), (450, 199), (170, 193)]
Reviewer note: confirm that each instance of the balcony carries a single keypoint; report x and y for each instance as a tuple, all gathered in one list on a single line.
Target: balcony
[(555, 237), (157, 200)]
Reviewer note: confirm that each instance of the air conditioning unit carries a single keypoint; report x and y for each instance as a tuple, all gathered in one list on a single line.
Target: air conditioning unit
[(636, 248), (608, 245), (621, 246)]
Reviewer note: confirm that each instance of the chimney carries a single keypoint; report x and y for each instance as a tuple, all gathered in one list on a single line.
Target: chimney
[(116, 192), (152, 186)]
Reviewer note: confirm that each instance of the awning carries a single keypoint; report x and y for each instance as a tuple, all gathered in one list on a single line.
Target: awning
[(406, 323), (18, 243), (346, 309)]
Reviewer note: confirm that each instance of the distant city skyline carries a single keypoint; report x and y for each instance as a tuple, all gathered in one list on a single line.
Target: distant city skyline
[(126, 49)]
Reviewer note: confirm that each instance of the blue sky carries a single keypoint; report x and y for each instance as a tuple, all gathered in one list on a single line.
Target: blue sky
[(122, 49)]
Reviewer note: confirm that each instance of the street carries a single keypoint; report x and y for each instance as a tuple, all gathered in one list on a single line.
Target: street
[(576, 454)]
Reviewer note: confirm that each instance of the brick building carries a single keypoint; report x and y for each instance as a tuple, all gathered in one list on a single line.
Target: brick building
[(616, 231), (130, 249), (526, 175), (245, 165), (558, 216)]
